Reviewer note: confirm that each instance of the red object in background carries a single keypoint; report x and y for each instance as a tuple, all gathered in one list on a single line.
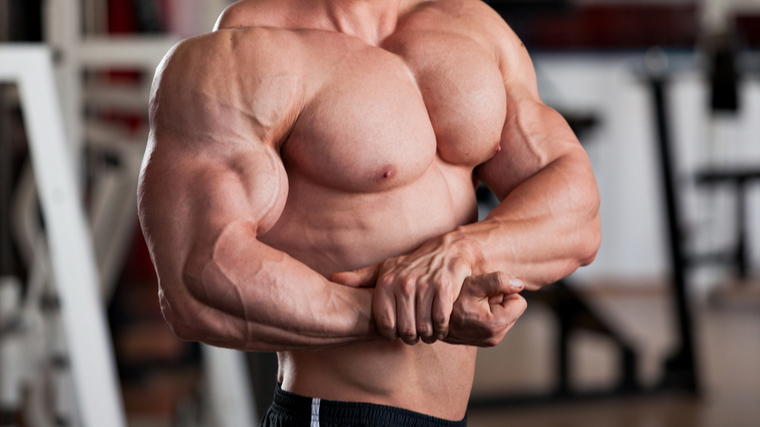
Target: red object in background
[(748, 27), (618, 26), (122, 18), (138, 268), (164, 12)]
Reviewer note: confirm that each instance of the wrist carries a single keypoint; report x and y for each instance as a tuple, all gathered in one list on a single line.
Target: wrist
[(470, 248), (366, 313)]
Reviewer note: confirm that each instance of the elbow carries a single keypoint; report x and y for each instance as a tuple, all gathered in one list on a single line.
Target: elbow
[(182, 310), (590, 248), (585, 208), (175, 314), (590, 233), (591, 239), (195, 312), (184, 331), (187, 308)]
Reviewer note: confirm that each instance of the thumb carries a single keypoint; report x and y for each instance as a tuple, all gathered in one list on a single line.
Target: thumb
[(493, 284), (362, 278)]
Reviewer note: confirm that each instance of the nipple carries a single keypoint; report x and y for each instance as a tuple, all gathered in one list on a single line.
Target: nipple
[(386, 172)]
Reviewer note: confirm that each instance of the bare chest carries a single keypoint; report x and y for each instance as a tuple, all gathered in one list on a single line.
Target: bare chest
[(382, 115)]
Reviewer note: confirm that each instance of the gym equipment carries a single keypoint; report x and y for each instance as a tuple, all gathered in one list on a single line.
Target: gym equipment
[(71, 255), (32, 352)]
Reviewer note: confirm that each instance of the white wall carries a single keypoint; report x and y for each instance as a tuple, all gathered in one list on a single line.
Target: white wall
[(624, 154)]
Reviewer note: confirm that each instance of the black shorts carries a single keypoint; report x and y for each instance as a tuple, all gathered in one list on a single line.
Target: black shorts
[(291, 410)]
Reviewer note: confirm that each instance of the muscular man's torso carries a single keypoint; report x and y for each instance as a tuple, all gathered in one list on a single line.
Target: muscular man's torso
[(379, 144)]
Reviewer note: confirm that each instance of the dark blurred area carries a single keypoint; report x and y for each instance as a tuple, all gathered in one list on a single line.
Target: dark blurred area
[(556, 24), (22, 20), (565, 24)]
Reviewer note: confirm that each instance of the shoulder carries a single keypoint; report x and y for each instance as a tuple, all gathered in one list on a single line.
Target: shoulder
[(250, 13), (467, 15), (470, 18), (230, 52), (479, 21), (228, 80)]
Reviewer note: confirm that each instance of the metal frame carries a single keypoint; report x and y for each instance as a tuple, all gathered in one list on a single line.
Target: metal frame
[(230, 394), (681, 367), (73, 262), (230, 400)]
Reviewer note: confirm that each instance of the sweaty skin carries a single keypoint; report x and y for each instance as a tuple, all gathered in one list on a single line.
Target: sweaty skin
[(309, 188)]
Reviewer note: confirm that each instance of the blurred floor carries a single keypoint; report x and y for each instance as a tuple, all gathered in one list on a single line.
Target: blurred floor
[(728, 337)]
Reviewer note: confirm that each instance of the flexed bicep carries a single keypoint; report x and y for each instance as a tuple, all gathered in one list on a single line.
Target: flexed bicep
[(534, 135), (218, 283), (212, 182)]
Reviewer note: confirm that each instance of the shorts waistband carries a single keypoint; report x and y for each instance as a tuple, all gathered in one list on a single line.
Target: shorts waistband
[(332, 412)]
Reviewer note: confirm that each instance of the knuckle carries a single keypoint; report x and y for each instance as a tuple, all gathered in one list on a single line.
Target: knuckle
[(385, 281), (496, 335), (385, 323), (523, 305), (440, 283), (388, 265), (408, 286), (492, 342), (424, 329), (408, 333), (440, 319), (497, 330), (499, 279)]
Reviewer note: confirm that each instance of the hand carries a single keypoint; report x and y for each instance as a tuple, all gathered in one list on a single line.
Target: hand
[(486, 309), (415, 293)]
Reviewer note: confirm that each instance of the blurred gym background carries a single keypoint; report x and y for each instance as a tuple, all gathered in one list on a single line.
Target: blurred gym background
[(663, 329)]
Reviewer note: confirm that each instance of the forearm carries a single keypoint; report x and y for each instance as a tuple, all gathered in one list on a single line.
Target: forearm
[(544, 229), (249, 296)]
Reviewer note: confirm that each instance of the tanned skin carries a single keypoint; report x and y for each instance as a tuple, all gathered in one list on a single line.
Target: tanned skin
[(309, 188)]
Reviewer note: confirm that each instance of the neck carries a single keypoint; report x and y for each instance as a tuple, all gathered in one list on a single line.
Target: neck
[(369, 20)]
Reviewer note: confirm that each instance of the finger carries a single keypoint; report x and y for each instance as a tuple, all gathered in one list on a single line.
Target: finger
[(496, 299), (443, 305), (362, 278), (491, 284), (406, 323), (510, 309), (384, 311), (423, 314), (515, 303), (504, 316), (447, 296)]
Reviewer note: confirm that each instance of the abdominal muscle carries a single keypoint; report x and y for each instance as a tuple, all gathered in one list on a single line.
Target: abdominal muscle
[(333, 232), (433, 379)]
